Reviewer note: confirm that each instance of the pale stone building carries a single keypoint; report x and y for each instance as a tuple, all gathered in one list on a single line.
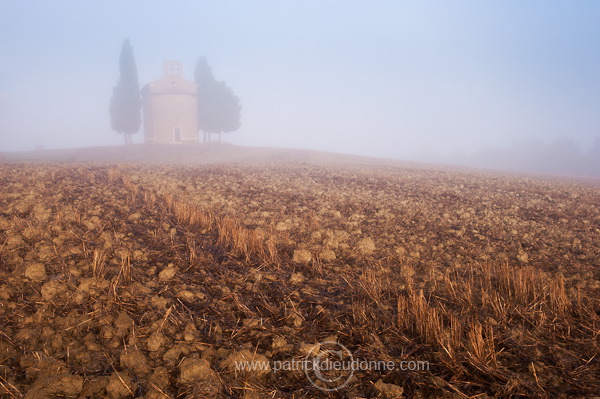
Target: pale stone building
[(170, 108)]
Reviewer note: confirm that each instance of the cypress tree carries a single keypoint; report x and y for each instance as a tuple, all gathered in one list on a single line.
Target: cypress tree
[(219, 110), (126, 103)]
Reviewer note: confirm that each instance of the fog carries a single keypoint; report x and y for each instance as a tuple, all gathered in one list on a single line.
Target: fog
[(489, 84)]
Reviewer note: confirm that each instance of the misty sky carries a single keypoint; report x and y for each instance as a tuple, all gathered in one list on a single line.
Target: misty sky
[(390, 78)]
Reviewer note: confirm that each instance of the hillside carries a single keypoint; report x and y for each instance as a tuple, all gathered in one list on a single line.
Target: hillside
[(226, 272), (181, 154)]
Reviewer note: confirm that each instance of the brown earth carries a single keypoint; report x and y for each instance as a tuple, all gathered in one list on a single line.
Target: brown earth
[(121, 277)]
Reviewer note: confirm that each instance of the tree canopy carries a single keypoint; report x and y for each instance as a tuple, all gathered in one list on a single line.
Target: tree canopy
[(219, 109), (126, 104)]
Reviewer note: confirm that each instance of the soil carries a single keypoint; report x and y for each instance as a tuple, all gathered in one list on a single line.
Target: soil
[(155, 271)]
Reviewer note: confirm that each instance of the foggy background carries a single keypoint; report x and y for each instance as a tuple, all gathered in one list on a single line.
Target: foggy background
[(505, 84)]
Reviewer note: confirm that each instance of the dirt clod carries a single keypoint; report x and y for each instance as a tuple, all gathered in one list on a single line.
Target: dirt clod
[(136, 361), (365, 246), (167, 273), (53, 289), (246, 365), (389, 390), (35, 271), (302, 256), (156, 341), (120, 386)]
